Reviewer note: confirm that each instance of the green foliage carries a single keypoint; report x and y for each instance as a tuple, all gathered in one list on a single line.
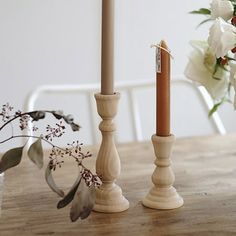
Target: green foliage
[(202, 11), (215, 108), (204, 21), (230, 58), (217, 105)]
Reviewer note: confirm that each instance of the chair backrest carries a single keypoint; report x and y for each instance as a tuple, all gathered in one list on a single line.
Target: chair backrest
[(137, 108)]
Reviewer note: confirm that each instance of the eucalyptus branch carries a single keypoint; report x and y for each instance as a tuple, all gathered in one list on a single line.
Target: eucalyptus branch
[(80, 163), (14, 118), (37, 115), (86, 182)]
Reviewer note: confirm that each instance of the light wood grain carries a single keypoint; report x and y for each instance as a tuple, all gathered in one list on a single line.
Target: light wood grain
[(109, 197), (163, 195), (205, 171)]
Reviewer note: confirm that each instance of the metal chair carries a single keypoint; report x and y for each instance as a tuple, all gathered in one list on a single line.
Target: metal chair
[(129, 88)]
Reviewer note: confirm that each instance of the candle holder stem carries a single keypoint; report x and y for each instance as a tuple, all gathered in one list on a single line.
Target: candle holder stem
[(163, 195), (109, 196)]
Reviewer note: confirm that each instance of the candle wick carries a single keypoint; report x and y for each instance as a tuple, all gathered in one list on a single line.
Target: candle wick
[(166, 50)]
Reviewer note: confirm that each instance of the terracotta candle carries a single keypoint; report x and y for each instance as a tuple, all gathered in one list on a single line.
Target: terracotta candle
[(163, 91), (107, 60)]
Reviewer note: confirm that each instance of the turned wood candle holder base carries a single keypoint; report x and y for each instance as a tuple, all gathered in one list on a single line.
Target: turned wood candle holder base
[(109, 199), (163, 195), (109, 196)]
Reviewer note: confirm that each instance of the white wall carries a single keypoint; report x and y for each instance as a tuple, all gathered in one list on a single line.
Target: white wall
[(47, 41), (58, 41)]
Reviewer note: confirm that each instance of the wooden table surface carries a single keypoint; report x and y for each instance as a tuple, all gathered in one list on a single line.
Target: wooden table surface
[(205, 169)]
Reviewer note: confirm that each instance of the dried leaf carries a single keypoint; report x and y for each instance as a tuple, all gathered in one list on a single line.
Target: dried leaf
[(70, 195), (75, 127), (58, 114), (35, 153), (37, 115), (68, 119), (50, 181), (83, 202), (11, 158)]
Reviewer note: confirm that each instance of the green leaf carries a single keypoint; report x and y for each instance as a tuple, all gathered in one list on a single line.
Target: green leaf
[(204, 21), (35, 153), (201, 11), (214, 108), (83, 202), (70, 195), (230, 58), (50, 181), (11, 158)]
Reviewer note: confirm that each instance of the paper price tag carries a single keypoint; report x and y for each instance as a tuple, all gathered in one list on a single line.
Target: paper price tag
[(158, 60)]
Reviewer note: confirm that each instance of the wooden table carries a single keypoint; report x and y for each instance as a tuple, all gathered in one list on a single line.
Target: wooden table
[(205, 171)]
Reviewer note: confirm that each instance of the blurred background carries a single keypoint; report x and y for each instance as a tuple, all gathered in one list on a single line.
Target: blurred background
[(58, 42)]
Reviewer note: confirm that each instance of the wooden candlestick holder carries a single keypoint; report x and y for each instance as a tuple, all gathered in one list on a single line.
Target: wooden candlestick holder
[(109, 196), (1, 191), (163, 195)]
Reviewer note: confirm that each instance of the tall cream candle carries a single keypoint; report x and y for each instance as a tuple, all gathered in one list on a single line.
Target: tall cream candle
[(107, 60)]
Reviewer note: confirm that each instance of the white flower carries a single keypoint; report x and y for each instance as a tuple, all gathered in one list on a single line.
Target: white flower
[(233, 79), (201, 69), (222, 8), (232, 72), (222, 37)]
